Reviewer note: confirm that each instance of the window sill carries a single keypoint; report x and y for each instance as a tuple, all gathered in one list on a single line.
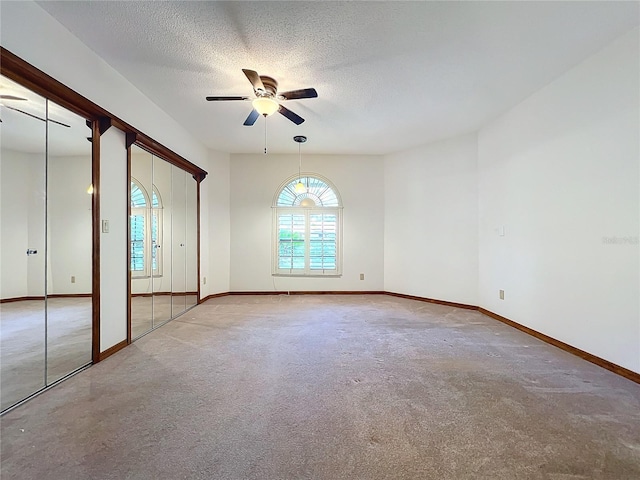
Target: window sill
[(305, 275)]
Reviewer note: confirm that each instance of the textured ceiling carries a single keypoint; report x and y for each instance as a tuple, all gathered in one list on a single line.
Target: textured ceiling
[(390, 75)]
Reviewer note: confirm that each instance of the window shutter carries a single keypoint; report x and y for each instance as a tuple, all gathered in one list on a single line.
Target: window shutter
[(154, 241), (322, 241), (137, 242), (291, 241)]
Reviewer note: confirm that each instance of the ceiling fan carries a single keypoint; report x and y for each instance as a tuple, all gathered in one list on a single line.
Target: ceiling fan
[(14, 98), (267, 97)]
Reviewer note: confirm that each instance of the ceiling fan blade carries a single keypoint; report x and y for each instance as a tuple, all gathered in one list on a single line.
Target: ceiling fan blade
[(219, 99), (296, 94), (251, 119), (35, 116), (60, 123), (294, 117), (255, 80), (11, 97)]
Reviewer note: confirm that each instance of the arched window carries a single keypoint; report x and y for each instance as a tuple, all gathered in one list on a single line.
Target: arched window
[(146, 231), (307, 226)]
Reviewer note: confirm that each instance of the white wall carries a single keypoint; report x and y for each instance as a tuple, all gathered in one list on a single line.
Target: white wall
[(431, 221), (560, 173), (254, 182), (114, 271), (215, 226)]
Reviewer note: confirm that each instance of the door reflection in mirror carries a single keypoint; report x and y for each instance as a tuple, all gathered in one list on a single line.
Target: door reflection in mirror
[(45, 243)]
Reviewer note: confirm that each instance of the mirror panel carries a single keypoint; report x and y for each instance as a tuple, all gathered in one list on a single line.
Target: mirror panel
[(140, 248), (69, 243), (23, 134), (178, 240), (192, 241), (161, 214)]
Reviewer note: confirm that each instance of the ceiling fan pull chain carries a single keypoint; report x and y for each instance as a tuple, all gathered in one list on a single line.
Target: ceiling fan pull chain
[(265, 134)]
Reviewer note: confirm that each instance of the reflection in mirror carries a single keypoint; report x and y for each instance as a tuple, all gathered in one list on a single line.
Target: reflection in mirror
[(69, 243), (140, 241), (192, 241), (45, 243), (164, 256), (161, 232), (22, 246), (178, 239)]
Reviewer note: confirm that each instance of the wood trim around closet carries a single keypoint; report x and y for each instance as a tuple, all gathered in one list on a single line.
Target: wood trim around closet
[(128, 246), (198, 180)]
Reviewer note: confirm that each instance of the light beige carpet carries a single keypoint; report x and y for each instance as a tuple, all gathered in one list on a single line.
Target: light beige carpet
[(330, 387)]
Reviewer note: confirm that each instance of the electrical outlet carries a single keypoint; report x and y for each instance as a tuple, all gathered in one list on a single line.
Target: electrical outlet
[(73, 279), (501, 294), (362, 276)]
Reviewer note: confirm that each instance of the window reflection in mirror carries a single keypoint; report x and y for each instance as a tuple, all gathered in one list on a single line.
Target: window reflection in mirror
[(163, 241), (141, 241)]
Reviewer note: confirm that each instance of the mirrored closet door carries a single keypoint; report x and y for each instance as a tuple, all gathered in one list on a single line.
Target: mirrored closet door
[(46, 216), (163, 241), (162, 246), (191, 248), (178, 240), (141, 249)]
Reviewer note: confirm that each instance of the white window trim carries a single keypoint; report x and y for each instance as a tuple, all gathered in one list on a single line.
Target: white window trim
[(306, 211)]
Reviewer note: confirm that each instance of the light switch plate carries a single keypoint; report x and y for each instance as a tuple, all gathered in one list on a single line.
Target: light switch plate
[(105, 226)]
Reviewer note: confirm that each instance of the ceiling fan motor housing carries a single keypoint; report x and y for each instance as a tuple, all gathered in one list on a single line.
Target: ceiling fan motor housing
[(270, 85)]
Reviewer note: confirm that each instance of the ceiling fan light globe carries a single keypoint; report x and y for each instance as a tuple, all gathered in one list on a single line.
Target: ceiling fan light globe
[(265, 106), (300, 188)]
